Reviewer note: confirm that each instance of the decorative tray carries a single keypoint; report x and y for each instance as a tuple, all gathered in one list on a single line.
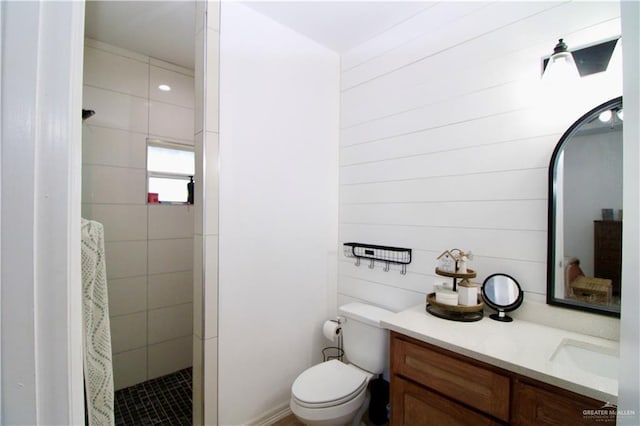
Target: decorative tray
[(454, 313), (431, 300), (470, 274)]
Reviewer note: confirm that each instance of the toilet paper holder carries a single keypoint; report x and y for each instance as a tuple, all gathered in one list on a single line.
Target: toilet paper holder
[(335, 352)]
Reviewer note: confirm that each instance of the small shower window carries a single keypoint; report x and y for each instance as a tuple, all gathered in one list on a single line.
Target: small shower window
[(170, 171)]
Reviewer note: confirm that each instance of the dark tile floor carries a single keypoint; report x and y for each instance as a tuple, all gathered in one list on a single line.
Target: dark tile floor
[(162, 401)]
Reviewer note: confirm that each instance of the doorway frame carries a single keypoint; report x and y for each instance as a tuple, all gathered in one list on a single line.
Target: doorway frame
[(40, 285)]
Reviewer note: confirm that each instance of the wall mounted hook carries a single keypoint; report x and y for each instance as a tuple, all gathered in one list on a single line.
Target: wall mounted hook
[(386, 254)]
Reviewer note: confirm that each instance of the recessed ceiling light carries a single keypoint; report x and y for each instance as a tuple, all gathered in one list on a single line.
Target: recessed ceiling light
[(164, 87)]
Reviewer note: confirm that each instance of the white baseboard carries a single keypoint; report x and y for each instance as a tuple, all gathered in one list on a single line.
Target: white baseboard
[(271, 416)]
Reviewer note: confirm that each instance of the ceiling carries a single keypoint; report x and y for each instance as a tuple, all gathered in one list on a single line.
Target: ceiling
[(161, 29), (338, 25), (165, 29)]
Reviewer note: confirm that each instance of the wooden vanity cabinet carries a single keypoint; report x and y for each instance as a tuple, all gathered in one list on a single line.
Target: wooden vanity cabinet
[(434, 386), (536, 404), (418, 406)]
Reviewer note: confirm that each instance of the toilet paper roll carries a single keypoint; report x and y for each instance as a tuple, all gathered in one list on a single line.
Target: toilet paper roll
[(331, 330)]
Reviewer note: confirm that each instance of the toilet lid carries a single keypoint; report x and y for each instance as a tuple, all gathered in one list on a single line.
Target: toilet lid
[(331, 381)]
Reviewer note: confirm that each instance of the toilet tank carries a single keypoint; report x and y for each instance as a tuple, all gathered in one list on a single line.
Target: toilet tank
[(366, 343)]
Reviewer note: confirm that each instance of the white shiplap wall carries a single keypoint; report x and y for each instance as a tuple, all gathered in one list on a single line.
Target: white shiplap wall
[(446, 137)]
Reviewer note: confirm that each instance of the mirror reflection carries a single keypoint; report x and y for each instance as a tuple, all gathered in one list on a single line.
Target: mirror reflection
[(501, 290), (502, 293), (585, 213)]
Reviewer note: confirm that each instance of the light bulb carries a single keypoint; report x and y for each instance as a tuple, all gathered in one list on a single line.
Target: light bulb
[(561, 68), (620, 115), (605, 116), (164, 87)]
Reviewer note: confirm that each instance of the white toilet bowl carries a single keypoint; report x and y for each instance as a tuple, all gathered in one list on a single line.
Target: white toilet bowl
[(334, 393), (331, 393)]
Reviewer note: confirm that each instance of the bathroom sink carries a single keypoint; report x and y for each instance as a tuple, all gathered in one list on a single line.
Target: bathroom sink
[(587, 357)]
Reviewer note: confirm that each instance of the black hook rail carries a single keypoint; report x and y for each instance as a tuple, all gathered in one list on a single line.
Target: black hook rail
[(386, 254)]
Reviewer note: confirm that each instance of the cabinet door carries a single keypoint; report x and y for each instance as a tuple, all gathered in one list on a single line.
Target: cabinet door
[(413, 405), (451, 375), (535, 406)]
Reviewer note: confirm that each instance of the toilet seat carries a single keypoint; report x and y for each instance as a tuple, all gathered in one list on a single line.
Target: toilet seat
[(329, 384)]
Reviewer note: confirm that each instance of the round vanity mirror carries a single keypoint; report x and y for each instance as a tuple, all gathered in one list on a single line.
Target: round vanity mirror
[(502, 293)]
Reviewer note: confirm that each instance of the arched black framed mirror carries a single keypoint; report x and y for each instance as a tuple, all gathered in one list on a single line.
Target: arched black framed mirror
[(584, 245)]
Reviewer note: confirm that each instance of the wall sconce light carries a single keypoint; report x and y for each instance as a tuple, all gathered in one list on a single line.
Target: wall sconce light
[(560, 66), (587, 60), (86, 113)]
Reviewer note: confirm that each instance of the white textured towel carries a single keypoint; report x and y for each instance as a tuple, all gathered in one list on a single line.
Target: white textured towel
[(98, 370)]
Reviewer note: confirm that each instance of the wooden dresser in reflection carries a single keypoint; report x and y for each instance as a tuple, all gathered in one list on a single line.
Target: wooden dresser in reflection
[(607, 251)]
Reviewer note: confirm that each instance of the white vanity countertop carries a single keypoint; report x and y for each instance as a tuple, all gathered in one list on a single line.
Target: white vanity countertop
[(519, 346)]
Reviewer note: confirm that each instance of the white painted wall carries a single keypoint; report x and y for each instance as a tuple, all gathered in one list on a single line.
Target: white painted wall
[(278, 209), (148, 247), (446, 137), (629, 381)]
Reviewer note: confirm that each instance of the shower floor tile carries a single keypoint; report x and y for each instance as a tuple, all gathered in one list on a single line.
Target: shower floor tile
[(162, 401)]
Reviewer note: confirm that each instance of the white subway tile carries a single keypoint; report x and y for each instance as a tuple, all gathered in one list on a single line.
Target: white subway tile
[(170, 255), (128, 332), (170, 289), (198, 379), (113, 147), (169, 357), (170, 323), (212, 89), (113, 185), (115, 72), (182, 87), (170, 221), (198, 286), (211, 190), (121, 222), (198, 188), (213, 14), (201, 8), (154, 62), (211, 287), (129, 368), (171, 122), (116, 110), (116, 50), (199, 82), (211, 381), (126, 258), (127, 295)]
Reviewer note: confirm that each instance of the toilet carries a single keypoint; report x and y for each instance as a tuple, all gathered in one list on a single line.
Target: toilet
[(335, 392)]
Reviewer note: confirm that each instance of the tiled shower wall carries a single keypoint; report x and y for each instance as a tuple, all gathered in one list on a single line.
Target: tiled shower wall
[(149, 248)]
